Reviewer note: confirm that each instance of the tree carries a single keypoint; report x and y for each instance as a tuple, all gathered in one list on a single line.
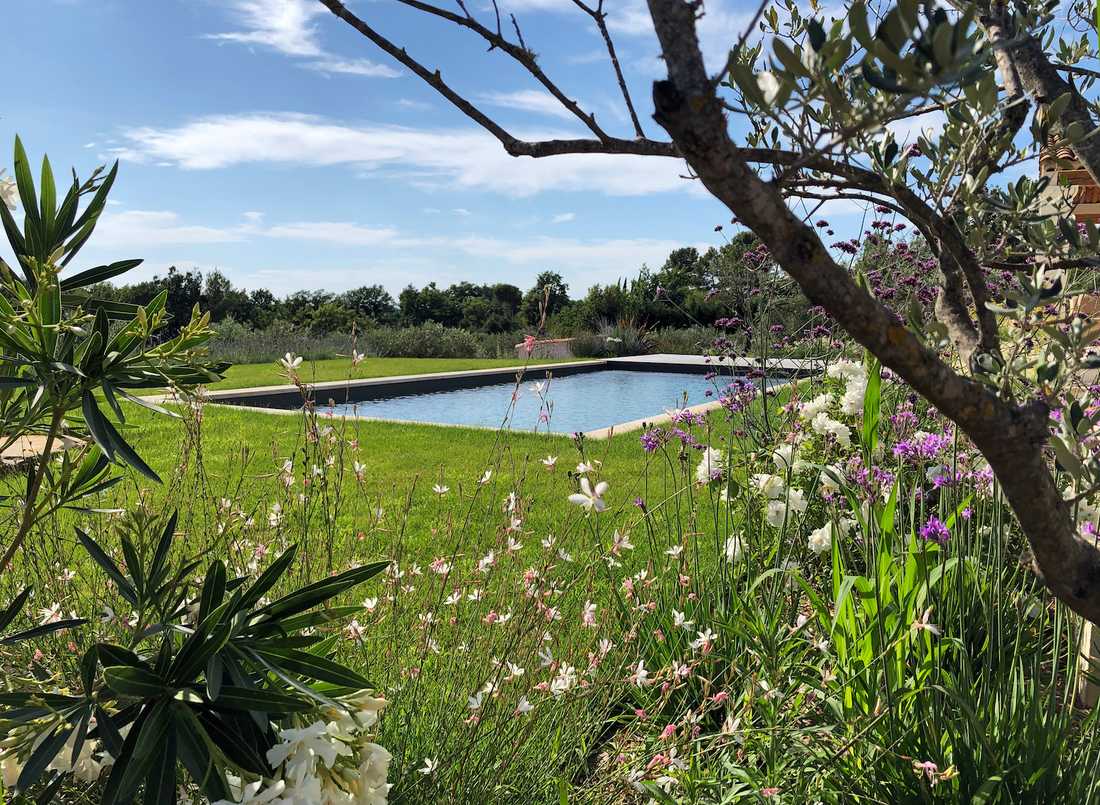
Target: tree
[(551, 290), (371, 302), (815, 109)]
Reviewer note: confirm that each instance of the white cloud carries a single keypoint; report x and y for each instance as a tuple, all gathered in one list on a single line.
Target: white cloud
[(283, 25), (364, 67), (458, 157), (603, 259), (336, 232), (461, 211), (155, 228), (464, 158), (529, 100), (145, 228), (563, 218), (287, 27)]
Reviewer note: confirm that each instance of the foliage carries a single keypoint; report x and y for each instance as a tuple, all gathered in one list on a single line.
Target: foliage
[(214, 678)]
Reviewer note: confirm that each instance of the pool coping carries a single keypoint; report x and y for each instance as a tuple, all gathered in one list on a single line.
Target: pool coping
[(397, 385)]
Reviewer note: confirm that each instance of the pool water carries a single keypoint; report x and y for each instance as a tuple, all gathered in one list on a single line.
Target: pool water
[(580, 402)]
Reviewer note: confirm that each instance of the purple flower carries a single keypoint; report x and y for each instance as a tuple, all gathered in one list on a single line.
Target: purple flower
[(651, 440), (935, 531)]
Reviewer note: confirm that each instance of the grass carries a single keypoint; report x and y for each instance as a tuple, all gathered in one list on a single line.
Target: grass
[(247, 375)]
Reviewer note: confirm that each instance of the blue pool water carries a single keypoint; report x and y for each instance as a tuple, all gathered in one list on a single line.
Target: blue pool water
[(581, 402)]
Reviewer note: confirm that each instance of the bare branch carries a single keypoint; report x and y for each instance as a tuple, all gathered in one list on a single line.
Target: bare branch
[(521, 53), (598, 15)]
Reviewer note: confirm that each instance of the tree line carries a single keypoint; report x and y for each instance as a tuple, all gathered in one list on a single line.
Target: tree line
[(683, 292)]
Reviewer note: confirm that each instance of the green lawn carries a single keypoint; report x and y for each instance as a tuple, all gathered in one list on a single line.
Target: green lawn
[(271, 374)]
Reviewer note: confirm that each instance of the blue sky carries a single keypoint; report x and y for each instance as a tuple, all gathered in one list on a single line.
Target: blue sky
[(267, 139)]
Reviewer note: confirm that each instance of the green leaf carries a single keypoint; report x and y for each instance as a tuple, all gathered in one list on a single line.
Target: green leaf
[(260, 700), (43, 629), (27, 195), (98, 274), (109, 440), (159, 565), (321, 591), (127, 680), (310, 665), (14, 608), (41, 757), (160, 784), (49, 201), (110, 654), (267, 579), (125, 589), (194, 751), (213, 589)]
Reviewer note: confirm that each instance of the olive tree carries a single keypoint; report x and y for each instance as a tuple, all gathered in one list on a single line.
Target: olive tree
[(815, 96)]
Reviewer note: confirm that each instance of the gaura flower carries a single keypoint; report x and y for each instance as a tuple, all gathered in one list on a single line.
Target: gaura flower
[(589, 498)]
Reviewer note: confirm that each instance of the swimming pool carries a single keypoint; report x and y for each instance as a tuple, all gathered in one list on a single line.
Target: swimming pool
[(579, 402)]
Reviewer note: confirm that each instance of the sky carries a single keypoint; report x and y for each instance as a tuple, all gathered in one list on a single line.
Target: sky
[(270, 141)]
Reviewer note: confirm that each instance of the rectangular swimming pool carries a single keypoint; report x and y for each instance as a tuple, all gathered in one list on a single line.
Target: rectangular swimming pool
[(587, 397), (580, 402)]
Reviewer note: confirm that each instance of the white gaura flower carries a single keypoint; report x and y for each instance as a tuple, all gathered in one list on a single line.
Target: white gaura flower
[(589, 498), (640, 676), (290, 361), (440, 489), (924, 624), (523, 707), (588, 466), (565, 681), (430, 765), (485, 478), (825, 426), (549, 462), (356, 358), (679, 619), (851, 402)]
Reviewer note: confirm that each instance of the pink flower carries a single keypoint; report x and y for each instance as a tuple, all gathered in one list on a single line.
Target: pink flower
[(529, 343), (668, 732)]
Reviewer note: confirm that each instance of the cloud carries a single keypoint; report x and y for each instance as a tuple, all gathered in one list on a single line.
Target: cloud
[(156, 228), (335, 232), (462, 157), (563, 218), (286, 26), (364, 67), (529, 100), (145, 228)]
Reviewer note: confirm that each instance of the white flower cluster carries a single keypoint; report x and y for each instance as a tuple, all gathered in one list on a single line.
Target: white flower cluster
[(783, 502), (821, 539), (326, 762), (816, 411), (855, 385), (89, 765)]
